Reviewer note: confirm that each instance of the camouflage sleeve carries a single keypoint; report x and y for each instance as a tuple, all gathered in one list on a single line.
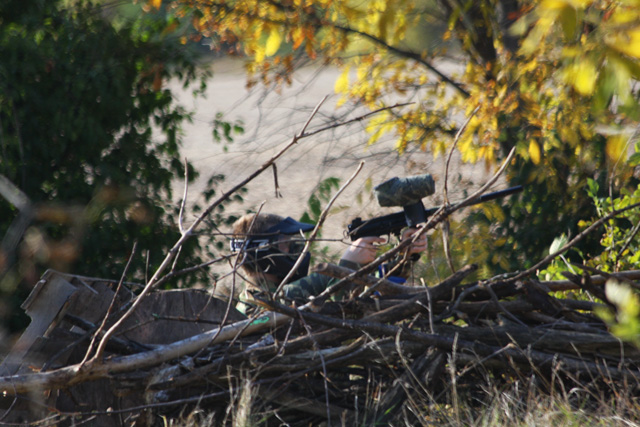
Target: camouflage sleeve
[(313, 284)]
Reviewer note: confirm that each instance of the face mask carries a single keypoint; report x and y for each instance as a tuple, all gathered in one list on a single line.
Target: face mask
[(266, 254)]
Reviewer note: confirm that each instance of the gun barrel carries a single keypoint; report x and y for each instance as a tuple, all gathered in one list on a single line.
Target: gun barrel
[(395, 222)]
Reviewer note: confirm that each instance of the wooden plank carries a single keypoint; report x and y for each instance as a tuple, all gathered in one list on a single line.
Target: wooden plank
[(167, 316), (43, 307)]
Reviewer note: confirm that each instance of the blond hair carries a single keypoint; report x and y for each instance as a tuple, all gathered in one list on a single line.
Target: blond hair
[(251, 225), (254, 224)]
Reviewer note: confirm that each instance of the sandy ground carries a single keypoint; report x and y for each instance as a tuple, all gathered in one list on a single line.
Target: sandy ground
[(271, 120)]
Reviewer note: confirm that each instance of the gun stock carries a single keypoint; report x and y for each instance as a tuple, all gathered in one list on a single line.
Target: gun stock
[(394, 223)]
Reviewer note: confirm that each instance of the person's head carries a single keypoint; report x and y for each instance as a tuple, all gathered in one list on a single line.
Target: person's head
[(271, 245)]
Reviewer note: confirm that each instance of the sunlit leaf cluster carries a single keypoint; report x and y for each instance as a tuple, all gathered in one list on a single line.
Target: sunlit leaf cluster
[(620, 238), (555, 79), (573, 71)]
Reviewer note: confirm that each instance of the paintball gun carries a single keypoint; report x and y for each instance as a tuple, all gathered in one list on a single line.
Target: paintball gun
[(408, 193)]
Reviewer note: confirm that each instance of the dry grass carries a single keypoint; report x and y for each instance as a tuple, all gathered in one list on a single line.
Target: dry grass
[(461, 401)]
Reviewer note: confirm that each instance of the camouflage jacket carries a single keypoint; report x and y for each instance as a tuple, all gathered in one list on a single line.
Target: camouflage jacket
[(311, 285), (299, 290)]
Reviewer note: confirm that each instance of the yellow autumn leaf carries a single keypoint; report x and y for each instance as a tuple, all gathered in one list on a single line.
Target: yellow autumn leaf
[(624, 15), (582, 76), (298, 37), (378, 126), (259, 54), (553, 4), (401, 145), (342, 83), (375, 136), (467, 149), (411, 134), (273, 42), (570, 52), (616, 148), (155, 3), (627, 42), (569, 135), (534, 151), (562, 5), (533, 40), (375, 122), (581, 4)]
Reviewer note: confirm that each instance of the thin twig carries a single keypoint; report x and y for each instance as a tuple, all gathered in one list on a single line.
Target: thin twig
[(184, 196), (571, 243), (445, 226), (429, 306), (606, 275), (500, 307), (187, 234), (315, 231), (474, 197), (105, 338), (359, 118), (278, 194), (237, 262), (632, 236), (440, 215), (455, 143)]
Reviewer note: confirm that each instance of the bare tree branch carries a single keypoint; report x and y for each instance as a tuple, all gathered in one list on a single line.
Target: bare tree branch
[(315, 231)]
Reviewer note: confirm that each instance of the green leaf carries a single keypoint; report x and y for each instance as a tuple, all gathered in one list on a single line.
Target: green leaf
[(592, 188), (558, 243), (634, 160)]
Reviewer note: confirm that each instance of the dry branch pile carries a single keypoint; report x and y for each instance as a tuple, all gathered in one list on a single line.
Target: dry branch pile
[(362, 360), (109, 353)]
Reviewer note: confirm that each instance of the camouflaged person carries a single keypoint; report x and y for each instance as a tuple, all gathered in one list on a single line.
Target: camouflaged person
[(269, 246)]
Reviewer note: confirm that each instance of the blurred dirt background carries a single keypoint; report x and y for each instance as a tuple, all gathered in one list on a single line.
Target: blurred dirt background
[(271, 118)]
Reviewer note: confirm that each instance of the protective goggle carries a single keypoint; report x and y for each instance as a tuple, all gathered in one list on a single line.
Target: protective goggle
[(277, 251), (294, 246)]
